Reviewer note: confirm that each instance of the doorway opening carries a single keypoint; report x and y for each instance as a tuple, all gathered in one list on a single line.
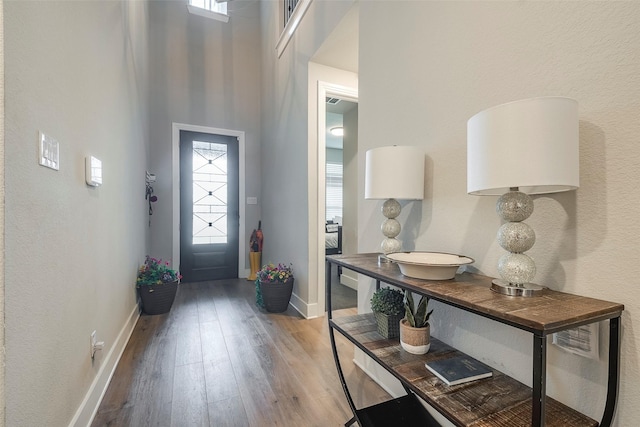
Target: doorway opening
[(335, 154), (208, 206), (240, 252)]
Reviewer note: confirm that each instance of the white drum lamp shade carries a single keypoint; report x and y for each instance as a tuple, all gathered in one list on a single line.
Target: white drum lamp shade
[(395, 172), (515, 149), (531, 144)]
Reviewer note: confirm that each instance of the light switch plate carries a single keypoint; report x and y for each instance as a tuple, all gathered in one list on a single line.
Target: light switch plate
[(49, 152), (252, 200)]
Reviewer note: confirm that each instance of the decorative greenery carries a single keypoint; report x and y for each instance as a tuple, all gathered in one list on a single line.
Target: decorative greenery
[(155, 272), (420, 317), (388, 301), (271, 273)]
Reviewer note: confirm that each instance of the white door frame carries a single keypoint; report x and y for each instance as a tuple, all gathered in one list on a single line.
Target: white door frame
[(348, 94), (175, 160)]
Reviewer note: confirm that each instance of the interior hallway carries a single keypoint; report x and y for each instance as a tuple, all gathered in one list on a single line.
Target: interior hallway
[(218, 360)]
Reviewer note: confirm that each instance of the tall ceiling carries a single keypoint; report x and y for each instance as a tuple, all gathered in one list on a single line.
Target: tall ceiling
[(340, 49)]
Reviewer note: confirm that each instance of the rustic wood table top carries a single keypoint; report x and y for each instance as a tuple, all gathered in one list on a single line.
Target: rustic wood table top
[(550, 312)]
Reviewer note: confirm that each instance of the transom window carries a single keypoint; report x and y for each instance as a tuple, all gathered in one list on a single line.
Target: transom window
[(209, 9), (210, 5)]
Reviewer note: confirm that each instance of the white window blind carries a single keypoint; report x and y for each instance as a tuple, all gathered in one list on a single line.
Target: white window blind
[(334, 190)]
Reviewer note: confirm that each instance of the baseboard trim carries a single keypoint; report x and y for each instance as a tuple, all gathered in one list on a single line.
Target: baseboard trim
[(89, 407), (308, 311), (349, 281)]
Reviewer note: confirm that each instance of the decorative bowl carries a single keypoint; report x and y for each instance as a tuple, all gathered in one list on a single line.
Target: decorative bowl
[(429, 265)]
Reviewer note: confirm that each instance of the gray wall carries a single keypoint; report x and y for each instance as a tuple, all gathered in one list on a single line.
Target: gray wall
[(285, 136), (77, 71), (438, 63), (207, 73)]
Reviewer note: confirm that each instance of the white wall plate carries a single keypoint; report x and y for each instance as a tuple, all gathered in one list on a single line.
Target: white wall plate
[(93, 171), (49, 150)]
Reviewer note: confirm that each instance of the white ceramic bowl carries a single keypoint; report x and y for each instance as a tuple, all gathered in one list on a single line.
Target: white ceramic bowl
[(429, 265)]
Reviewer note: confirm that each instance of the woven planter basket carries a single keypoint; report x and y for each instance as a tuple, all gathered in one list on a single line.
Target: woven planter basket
[(158, 299), (388, 326), (415, 340), (276, 295)]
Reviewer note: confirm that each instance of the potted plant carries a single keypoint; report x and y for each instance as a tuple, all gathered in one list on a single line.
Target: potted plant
[(157, 284), (274, 284), (387, 306), (414, 328)]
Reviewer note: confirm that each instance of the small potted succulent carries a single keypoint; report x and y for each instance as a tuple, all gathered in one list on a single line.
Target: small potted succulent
[(157, 284), (414, 328), (274, 284), (388, 308)]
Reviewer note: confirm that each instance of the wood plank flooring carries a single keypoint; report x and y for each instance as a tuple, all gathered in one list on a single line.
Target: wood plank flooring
[(218, 360)]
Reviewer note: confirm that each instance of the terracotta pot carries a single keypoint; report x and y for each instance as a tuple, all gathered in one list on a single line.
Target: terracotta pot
[(414, 340)]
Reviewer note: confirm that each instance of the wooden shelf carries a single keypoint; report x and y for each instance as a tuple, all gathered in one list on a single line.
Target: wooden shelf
[(496, 401), (499, 400), (551, 312)]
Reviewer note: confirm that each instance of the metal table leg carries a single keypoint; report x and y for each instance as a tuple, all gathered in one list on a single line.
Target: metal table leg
[(614, 372), (539, 380)]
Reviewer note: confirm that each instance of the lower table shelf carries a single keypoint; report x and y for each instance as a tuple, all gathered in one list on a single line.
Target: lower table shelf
[(496, 401), (404, 411)]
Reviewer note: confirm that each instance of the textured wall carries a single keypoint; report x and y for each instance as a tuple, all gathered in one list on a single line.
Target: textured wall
[(438, 63), (77, 71)]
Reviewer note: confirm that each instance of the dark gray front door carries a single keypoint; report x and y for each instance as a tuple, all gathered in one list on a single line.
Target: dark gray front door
[(209, 212)]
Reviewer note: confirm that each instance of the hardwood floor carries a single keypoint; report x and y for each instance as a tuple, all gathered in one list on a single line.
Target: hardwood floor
[(218, 360)]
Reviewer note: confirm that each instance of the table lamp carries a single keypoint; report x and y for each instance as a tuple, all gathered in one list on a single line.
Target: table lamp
[(514, 150), (391, 173)]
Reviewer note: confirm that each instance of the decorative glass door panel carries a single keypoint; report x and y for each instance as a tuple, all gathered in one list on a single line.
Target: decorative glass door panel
[(209, 193)]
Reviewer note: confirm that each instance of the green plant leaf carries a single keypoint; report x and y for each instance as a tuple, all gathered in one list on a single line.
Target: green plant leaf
[(421, 312), (408, 314), (408, 295)]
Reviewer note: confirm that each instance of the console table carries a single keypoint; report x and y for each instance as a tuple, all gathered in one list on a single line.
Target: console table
[(496, 401)]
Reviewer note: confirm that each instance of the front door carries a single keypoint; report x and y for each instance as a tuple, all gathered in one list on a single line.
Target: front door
[(209, 209)]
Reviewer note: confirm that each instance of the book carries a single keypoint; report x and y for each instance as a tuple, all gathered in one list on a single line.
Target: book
[(459, 369)]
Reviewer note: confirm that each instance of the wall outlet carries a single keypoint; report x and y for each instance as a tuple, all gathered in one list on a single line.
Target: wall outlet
[(92, 343), (92, 348), (95, 345)]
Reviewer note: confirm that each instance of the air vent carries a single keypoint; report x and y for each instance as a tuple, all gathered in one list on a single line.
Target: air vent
[(332, 101)]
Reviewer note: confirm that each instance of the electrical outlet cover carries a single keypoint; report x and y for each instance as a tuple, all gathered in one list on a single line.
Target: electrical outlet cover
[(92, 344)]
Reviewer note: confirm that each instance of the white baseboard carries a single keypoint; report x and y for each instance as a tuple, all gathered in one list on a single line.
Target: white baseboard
[(350, 282), (89, 407), (308, 311)]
